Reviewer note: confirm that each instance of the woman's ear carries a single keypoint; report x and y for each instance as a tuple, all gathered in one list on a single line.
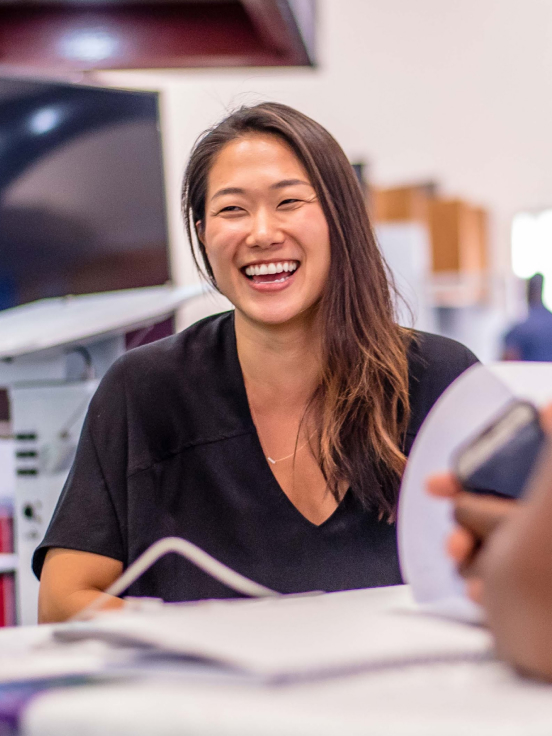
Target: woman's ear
[(199, 230)]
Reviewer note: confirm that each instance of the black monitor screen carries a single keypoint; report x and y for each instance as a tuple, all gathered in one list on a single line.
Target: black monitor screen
[(82, 205)]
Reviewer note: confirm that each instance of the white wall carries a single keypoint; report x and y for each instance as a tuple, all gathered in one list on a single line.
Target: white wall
[(459, 92)]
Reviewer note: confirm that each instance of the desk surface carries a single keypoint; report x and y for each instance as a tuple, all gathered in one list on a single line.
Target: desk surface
[(479, 698)]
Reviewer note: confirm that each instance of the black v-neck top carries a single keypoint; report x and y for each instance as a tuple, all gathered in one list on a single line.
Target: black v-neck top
[(169, 448)]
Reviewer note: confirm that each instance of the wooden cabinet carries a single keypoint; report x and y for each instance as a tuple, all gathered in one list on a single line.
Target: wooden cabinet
[(458, 234), (400, 204)]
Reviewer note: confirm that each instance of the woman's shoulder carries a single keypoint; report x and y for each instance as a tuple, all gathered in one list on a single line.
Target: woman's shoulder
[(195, 349), (177, 391), (438, 355), (188, 363), (434, 362)]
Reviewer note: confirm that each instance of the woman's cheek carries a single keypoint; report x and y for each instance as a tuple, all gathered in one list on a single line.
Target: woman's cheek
[(217, 245), (225, 238), (312, 229)]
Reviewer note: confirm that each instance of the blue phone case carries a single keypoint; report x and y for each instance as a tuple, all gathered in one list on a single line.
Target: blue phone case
[(506, 471)]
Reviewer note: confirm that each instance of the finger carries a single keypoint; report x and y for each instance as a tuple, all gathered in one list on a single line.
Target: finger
[(481, 514), (546, 418), (474, 589), (461, 545), (443, 484)]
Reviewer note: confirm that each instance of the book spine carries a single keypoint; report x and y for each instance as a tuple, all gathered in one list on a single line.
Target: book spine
[(7, 581), (6, 531)]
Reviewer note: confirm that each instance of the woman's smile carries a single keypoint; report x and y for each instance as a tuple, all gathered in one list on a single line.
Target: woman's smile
[(271, 275)]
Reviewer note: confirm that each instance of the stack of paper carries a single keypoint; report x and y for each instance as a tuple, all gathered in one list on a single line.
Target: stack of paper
[(291, 638)]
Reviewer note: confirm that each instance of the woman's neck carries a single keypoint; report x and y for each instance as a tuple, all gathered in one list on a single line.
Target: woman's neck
[(280, 363)]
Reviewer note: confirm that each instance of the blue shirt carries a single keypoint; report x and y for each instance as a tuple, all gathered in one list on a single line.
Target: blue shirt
[(532, 339)]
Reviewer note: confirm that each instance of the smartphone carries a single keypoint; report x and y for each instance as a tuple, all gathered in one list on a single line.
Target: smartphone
[(500, 458)]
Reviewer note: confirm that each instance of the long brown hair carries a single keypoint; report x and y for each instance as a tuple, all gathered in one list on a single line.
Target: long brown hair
[(362, 400)]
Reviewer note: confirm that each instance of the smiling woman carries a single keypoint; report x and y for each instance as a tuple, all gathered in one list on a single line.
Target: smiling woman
[(262, 215), (273, 436)]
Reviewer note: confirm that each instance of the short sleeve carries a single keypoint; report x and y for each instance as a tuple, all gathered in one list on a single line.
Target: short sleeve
[(90, 512)]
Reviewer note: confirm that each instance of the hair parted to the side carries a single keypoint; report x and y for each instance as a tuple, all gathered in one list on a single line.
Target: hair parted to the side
[(361, 404)]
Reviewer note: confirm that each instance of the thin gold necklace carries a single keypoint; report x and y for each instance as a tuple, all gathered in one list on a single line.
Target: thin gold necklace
[(270, 460), (281, 459)]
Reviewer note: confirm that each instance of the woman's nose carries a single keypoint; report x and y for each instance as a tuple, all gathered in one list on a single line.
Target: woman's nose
[(265, 230)]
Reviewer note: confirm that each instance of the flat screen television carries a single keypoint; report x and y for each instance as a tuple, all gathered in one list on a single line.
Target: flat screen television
[(82, 201)]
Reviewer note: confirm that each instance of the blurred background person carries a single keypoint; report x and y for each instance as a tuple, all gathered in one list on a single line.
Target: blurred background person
[(532, 338), (504, 549)]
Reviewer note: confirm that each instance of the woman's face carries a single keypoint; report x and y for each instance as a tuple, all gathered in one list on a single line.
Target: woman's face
[(264, 232)]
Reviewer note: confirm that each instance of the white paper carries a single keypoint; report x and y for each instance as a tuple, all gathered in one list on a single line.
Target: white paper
[(424, 522), (292, 637)]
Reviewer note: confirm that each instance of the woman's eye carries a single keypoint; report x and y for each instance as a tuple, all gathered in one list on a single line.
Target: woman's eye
[(231, 208), (289, 201)]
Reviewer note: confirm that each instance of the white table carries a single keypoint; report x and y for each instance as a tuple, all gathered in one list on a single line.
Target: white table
[(471, 698)]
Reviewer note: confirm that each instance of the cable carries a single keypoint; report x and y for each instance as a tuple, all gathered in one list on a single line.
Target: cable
[(191, 552), (65, 430), (87, 357)]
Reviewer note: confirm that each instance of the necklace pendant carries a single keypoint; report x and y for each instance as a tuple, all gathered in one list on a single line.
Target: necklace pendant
[(270, 460)]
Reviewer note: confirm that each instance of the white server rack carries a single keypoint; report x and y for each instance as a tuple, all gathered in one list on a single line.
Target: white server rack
[(52, 355)]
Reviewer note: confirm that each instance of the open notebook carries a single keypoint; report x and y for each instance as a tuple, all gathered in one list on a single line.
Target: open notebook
[(292, 637)]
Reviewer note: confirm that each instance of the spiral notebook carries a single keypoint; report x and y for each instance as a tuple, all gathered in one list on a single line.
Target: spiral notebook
[(291, 638)]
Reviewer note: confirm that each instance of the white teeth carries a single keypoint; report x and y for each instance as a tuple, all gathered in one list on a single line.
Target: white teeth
[(266, 268)]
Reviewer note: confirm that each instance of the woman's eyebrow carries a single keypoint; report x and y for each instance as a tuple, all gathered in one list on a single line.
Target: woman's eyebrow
[(289, 183), (277, 185), (228, 190)]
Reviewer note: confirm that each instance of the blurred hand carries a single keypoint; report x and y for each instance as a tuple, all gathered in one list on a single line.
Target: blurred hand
[(478, 517)]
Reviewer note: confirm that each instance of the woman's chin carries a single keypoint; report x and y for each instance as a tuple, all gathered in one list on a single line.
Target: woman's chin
[(276, 316)]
